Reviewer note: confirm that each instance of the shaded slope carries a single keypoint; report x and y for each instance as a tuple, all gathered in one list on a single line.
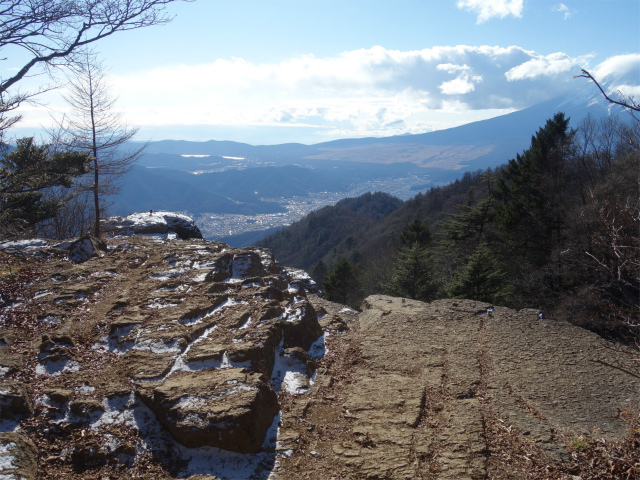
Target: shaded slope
[(163, 189), (308, 240)]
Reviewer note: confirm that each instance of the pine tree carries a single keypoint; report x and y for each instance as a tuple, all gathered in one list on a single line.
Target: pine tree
[(413, 274), (27, 175), (416, 232), (342, 284), (480, 279), (530, 190)]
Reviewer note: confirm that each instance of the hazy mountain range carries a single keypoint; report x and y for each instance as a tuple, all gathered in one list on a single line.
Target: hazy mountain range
[(226, 177)]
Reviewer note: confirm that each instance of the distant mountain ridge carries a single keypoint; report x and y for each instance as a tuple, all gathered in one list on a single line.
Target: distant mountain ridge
[(506, 135), (225, 177)]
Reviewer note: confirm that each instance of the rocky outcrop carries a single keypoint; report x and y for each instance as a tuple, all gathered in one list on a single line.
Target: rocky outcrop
[(226, 408), (152, 223), (18, 457), (166, 359), (428, 391), (180, 342)]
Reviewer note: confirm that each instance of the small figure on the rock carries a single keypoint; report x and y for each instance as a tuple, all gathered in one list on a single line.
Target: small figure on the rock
[(489, 312), (151, 212), (540, 315)]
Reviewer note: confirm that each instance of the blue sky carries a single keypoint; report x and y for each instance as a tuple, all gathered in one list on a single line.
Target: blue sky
[(275, 71)]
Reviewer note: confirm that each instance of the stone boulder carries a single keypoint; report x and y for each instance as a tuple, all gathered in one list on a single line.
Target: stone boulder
[(85, 248), (152, 223), (226, 408), (14, 400)]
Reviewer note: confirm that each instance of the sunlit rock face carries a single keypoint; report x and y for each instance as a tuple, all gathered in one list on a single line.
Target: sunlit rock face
[(150, 346)]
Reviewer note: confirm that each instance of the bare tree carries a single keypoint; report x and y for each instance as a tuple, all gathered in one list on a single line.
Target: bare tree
[(51, 32), (96, 126), (630, 135)]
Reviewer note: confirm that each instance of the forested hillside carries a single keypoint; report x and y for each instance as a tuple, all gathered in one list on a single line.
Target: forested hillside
[(556, 228), (307, 241)]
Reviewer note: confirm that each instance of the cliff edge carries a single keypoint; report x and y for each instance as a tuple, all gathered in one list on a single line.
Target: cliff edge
[(164, 358)]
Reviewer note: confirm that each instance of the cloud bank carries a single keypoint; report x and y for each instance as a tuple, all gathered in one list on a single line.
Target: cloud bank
[(365, 92), (358, 92)]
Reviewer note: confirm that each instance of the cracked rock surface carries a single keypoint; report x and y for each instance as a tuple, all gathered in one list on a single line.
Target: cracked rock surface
[(164, 359), (153, 354), (418, 384)]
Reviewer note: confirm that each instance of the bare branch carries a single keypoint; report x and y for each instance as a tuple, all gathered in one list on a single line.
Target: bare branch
[(626, 102)]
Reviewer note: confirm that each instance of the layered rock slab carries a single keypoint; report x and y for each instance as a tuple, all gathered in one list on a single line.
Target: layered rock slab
[(420, 383), (230, 408), (156, 349)]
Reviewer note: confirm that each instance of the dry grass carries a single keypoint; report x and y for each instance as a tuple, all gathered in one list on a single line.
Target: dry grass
[(512, 456)]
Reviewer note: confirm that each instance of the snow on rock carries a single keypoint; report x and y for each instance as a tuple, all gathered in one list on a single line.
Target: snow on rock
[(30, 244), (189, 333), (153, 223), (85, 248)]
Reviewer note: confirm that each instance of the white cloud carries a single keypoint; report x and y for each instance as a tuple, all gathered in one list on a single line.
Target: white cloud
[(373, 91), (460, 86), (564, 10), (451, 68), (549, 66), (487, 9), (619, 65)]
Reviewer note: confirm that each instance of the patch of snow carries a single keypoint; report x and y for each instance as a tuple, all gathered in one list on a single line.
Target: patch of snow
[(85, 389), (295, 382), (347, 310), (204, 265), (4, 371), (56, 367), (190, 401), (6, 461), (30, 244), (42, 293), (169, 274), (53, 319), (293, 316), (118, 410), (319, 347), (246, 324), (114, 343), (62, 299), (157, 346), (201, 277), (289, 373), (159, 303)]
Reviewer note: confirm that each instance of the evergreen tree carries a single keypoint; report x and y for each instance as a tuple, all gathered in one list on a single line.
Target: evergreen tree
[(473, 220), (416, 232), (413, 274), (530, 192), (319, 271), (480, 279), (342, 284), (471, 223), (27, 175)]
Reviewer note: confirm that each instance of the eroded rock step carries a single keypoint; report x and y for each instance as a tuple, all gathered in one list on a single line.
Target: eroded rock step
[(431, 374), (413, 404)]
